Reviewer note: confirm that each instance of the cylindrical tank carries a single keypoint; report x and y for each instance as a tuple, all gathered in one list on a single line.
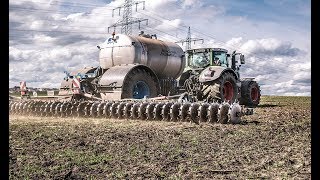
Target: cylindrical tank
[(166, 59)]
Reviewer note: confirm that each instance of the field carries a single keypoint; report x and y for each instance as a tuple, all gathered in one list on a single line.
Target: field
[(274, 143)]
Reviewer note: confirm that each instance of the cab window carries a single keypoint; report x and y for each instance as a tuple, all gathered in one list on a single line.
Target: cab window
[(199, 59), (219, 58)]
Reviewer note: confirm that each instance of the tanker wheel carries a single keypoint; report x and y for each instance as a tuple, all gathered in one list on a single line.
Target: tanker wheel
[(224, 88), (138, 84), (250, 93)]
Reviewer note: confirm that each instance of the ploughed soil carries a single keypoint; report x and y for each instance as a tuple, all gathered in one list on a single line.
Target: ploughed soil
[(274, 143)]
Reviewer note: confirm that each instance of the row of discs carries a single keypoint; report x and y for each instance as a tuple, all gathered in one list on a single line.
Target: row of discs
[(144, 110)]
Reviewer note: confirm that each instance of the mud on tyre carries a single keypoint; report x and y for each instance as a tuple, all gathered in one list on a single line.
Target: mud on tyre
[(224, 88), (250, 93)]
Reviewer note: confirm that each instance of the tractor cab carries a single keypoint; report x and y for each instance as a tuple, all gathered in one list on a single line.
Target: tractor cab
[(203, 57)]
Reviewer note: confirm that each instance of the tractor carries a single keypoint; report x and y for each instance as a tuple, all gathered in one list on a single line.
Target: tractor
[(142, 77), (144, 67)]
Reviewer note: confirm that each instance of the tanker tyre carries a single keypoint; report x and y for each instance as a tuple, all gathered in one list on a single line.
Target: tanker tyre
[(250, 93), (224, 88), (138, 84)]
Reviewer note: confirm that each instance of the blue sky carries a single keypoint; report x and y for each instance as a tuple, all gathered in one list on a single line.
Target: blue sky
[(49, 37), (271, 10)]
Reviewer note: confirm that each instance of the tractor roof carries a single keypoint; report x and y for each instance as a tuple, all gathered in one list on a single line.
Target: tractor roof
[(207, 49)]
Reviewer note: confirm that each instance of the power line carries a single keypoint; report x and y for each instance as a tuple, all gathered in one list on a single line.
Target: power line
[(94, 5), (161, 20), (36, 9), (127, 19), (55, 11), (103, 33), (94, 33), (158, 30), (59, 3), (52, 31), (152, 30), (189, 40), (270, 80), (199, 31), (60, 27)]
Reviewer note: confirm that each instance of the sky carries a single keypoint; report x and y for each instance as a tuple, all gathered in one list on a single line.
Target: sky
[(47, 38)]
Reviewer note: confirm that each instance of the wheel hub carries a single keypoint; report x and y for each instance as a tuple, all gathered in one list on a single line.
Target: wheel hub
[(140, 90), (254, 94), (228, 91)]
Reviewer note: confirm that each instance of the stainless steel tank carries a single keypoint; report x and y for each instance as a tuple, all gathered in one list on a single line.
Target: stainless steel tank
[(166, 59)]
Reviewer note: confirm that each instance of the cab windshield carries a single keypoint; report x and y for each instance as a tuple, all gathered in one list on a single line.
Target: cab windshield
[(220, 58), (199, 59)]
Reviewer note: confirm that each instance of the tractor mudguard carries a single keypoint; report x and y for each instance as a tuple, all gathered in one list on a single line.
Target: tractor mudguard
[(214, 72)]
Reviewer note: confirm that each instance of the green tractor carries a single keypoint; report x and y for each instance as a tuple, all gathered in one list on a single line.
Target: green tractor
[(211, 74)]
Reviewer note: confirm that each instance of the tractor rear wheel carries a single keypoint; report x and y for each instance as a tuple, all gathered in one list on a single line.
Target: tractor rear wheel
[(138, 84), (250, 93), (224, 88)]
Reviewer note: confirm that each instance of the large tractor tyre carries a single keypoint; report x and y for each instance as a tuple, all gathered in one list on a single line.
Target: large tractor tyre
[(250, 93), (224, 88), (206, 90), (138, 84)]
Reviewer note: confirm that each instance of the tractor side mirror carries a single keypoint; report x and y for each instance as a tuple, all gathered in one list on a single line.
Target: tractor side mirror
[(242, 61)]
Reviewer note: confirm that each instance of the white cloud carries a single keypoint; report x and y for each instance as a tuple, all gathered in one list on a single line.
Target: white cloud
[(157, 5), (36, 25), (72, 16), (42, 3), (303, 65), (234, 43), (270, 46), (169, 25), (16, 54), (188, 3), (41, 38)]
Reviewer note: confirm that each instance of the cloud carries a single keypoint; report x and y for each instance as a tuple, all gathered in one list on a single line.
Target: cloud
[(234, 42), (157, 5), (302, 78), (189, 3), (169, 25), (269, 47), (287, 88), (276, 65), (72, 16)]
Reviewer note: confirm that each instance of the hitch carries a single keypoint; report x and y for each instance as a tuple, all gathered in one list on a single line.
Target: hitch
[(247, 111)]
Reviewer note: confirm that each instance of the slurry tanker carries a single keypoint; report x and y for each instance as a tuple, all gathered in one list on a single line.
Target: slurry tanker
[(142, 77)]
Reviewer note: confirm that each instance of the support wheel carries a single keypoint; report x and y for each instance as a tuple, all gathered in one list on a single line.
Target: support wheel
[(138, 84)]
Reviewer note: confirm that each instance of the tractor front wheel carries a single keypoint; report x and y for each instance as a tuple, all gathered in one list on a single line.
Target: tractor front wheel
[(224, 88)]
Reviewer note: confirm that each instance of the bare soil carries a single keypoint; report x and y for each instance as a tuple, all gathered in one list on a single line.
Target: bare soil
[(274, 143)]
